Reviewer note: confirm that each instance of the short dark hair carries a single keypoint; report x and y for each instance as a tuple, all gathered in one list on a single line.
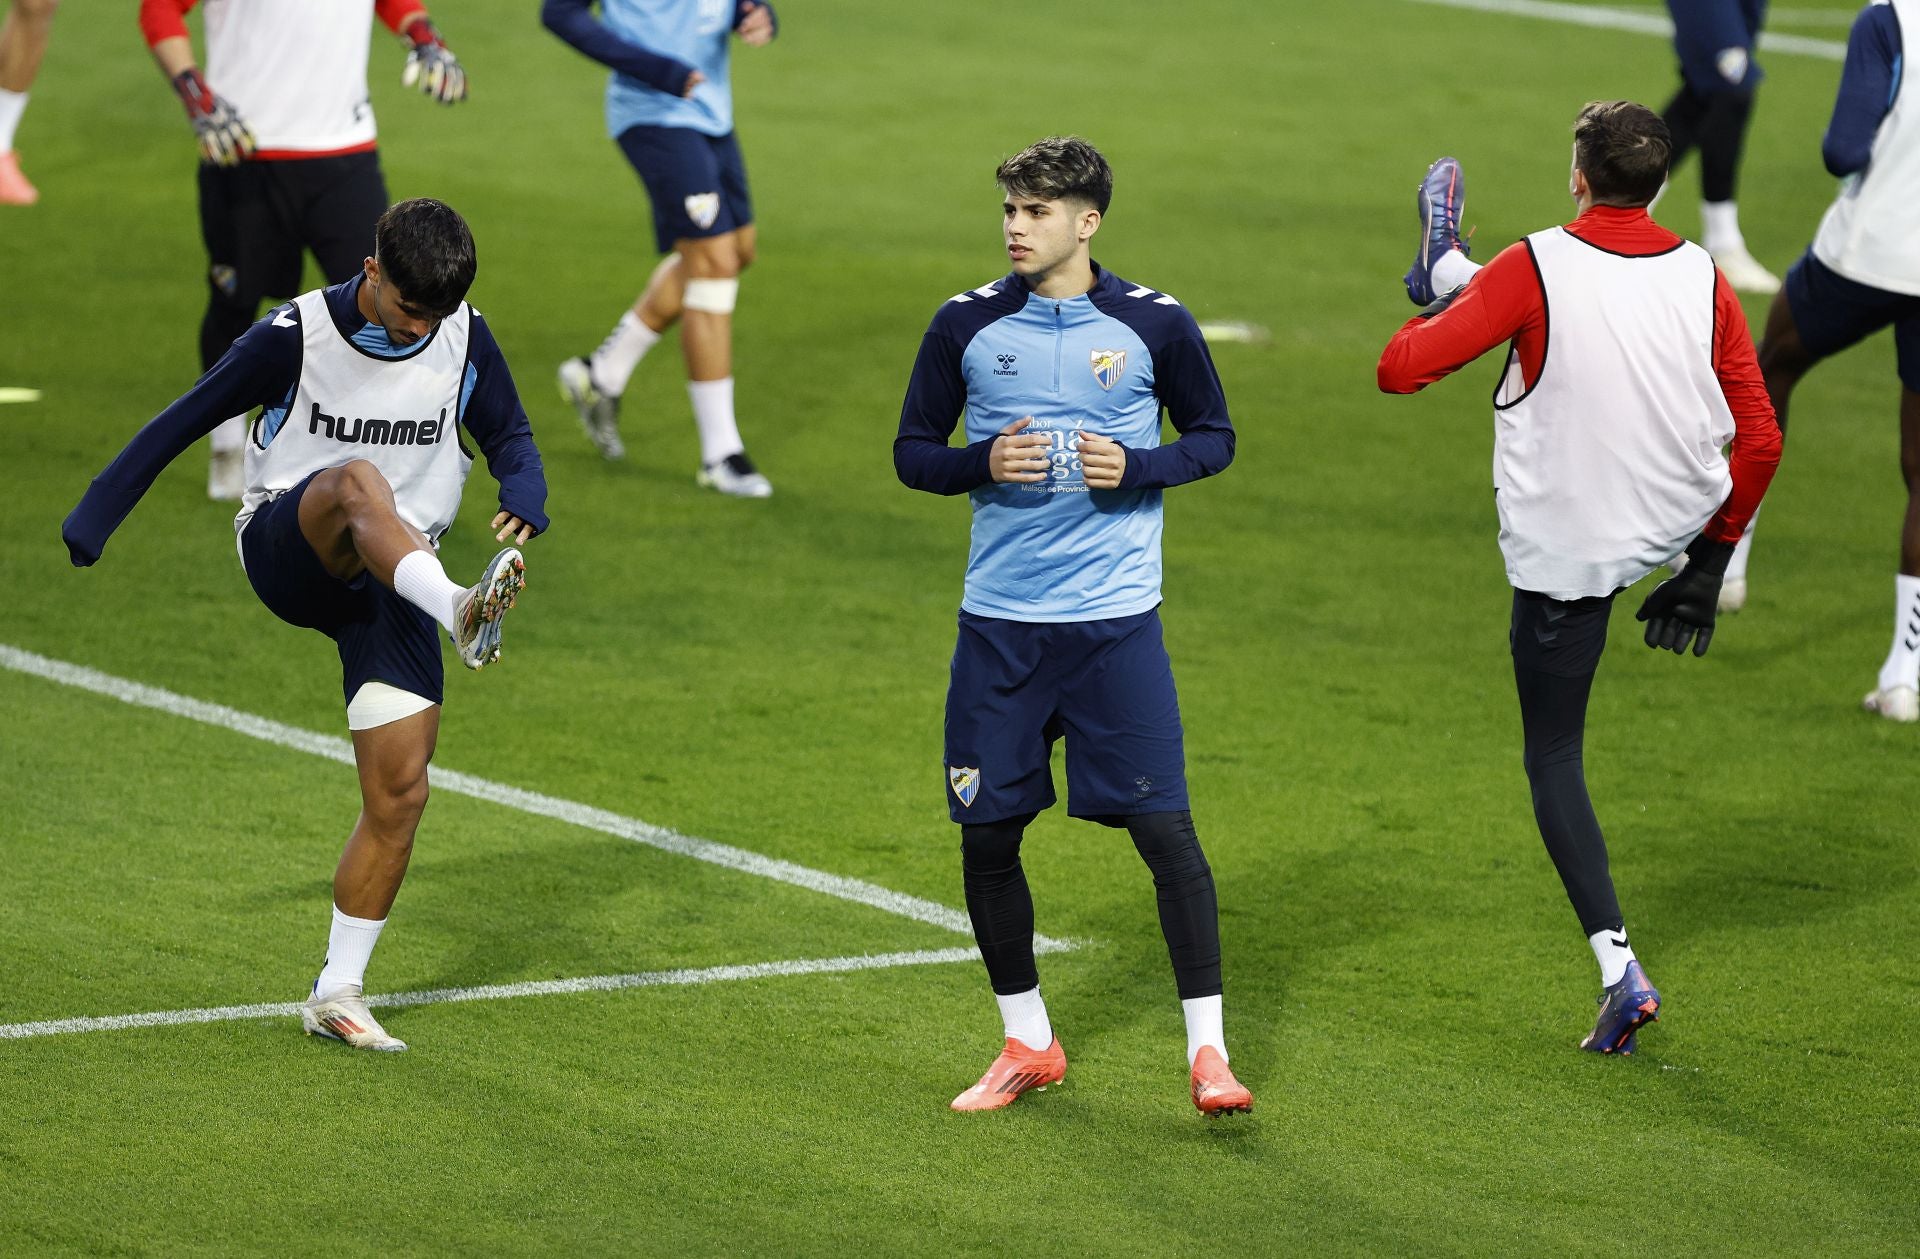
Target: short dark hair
[(1059, 168), (425, 250), (1623, 149)]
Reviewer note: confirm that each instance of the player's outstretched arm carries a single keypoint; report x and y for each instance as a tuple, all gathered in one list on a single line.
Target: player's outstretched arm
[(260, 369), (498, 422), (223, 135), (431, 67), (573, 21)]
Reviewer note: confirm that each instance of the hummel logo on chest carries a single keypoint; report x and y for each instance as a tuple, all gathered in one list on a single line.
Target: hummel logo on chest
[(372, 432), (1006, 367)]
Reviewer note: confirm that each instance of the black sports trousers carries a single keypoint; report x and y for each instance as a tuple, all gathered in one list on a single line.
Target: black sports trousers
[(259, 219), (1556, 650)]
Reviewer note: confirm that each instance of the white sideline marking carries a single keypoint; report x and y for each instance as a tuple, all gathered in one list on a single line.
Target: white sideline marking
[(1638, 23), (606, 822), (502, 992)]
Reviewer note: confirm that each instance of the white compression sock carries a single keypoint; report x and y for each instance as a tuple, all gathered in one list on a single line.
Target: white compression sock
[(1203, 1026), (1720, 225), (420, 579), (230, 436), (349, 949), (12, 105), (713, 412), (611, 366), (1025, 1015), (1611, 950), (1452, 270), (1903, 661)]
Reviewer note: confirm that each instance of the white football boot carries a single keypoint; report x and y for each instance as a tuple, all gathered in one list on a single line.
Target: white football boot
[(599, 412), (1745, 273), (477, 613), (1896, 703), (735, 476), (343, 1016)]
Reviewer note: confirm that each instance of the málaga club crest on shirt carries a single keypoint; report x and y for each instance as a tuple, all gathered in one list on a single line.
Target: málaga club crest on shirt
[(1109, 366)]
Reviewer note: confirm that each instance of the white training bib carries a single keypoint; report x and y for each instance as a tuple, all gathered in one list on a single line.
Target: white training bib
[(401, 415), (1871, 233), (1612, 462), (295, 69)]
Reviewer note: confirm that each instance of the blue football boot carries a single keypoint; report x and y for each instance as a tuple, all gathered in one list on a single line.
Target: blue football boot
[(1624, 1009), (1441, 199)]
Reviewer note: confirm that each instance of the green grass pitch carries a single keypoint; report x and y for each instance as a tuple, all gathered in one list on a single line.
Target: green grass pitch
[(1405, 983)]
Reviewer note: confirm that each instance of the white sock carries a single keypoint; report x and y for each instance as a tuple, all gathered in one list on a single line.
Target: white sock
[(1742, 551), (1611, 950), (12, 105), (420, 579), (1720, 225), (611, 366), (1903, 661), (713, 412), (1203, 1025), (1452, 270), (230, 436), (349, 948), (1025, 1015)]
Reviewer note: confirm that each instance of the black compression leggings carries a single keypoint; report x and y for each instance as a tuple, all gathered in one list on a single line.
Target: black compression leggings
[(1717, 123), (1553, 710), (1001, 906)]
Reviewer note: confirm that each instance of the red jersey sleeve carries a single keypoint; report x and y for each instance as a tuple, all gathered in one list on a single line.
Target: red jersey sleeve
[(1503, 302), (1756, 436), (396, 12), (164, 19)]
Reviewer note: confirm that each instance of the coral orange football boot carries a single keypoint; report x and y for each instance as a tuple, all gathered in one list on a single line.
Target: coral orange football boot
[(1215, 1091), (15, 188), (1016, 1070)]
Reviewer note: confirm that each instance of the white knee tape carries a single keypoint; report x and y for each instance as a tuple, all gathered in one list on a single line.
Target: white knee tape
[(716, 297), (377, 704)]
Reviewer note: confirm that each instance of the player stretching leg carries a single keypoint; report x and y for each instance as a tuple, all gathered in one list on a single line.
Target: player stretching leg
[(1609, 426), (23, 42), (1715, 41), (354, 470), (1862, 274), (1062, 369), (289, 161), (670, 107)]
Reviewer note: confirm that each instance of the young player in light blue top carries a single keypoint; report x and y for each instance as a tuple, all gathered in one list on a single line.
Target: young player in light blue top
[(670, 108)]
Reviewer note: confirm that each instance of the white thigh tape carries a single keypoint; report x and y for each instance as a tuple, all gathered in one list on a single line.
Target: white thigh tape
[(716, 297), (377, 704)]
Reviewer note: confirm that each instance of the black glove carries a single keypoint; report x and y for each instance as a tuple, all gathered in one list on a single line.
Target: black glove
[(1681, 609)]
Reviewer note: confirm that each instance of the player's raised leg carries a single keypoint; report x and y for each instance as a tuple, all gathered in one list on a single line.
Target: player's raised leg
[(349, 518), (24, 33), (1441, 259)]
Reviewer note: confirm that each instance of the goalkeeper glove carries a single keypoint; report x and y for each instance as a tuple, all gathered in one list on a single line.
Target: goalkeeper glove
[(1681, 609), (430, 67), (223, 135)]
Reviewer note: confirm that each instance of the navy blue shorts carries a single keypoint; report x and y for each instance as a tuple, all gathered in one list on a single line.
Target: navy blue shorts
[(1106, 685), (697, 182), (382, 637), (1833, 312), (1705, 29)]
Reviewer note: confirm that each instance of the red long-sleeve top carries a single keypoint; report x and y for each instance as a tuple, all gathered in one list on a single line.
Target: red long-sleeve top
[(1505, 303)]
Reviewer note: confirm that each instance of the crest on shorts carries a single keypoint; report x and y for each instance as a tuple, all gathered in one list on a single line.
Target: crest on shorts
[(965, 781), (703, 208), (1732, 65), (224, 278), (1109, 366)]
